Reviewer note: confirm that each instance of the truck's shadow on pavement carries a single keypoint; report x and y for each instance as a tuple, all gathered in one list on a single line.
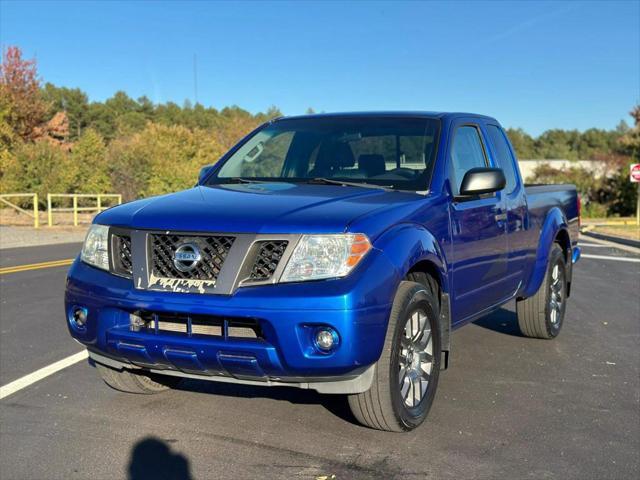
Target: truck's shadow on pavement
[(152, 459), (502, 321), (336, 404)]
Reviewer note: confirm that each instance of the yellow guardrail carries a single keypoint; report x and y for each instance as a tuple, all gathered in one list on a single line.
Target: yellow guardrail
[(34, 199), (610, 222), (614, 223), (75, 208)]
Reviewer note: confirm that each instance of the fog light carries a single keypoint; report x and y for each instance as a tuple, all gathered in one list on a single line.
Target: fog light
[(79, 317), (326, 339)]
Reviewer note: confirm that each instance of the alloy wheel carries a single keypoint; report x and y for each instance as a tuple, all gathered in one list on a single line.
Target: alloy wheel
[(556, 295), (415, 359)]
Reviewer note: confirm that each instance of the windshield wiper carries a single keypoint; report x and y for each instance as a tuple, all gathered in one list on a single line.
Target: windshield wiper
[(239, 180), (329, 181)]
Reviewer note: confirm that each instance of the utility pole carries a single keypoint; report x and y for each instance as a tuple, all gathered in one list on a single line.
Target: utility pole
[(638, 207), (195, 79), (634, 177)]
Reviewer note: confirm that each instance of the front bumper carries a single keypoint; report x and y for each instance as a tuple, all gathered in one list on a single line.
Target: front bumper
[(349, 384), (357, 307)]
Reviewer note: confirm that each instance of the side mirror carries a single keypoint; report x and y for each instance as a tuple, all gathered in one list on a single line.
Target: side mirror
[(204, 172), (478, 181)]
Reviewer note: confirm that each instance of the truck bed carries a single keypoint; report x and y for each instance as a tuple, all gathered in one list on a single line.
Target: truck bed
[(541, 198)]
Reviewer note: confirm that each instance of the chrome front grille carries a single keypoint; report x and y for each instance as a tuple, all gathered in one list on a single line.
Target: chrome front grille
[(268, 256), (186, 262), (213, 251)]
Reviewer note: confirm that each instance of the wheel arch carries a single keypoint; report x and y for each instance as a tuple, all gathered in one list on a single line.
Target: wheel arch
[(554, 229), (412, 248)]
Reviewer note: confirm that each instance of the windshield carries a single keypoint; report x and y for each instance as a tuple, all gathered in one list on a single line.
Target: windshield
[(392, 152)]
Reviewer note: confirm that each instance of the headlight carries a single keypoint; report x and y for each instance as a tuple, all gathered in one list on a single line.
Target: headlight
[(95, 250), (325, 256)]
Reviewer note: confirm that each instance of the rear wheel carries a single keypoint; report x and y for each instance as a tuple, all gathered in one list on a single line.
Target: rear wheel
[(133, 382), (406, 376), (541, 315)]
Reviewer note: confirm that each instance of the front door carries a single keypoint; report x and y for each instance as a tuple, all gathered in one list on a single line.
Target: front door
[(479, 238)]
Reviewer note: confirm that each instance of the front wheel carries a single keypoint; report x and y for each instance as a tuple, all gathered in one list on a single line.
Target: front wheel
[(136, 382), (406, 376)]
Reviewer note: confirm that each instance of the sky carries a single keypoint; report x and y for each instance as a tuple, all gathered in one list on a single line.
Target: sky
[(534, 65)]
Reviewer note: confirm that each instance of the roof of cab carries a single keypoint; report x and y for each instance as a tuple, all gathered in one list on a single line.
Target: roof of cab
[(406, 114)]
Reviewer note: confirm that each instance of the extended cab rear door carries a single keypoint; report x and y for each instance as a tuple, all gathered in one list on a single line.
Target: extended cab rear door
[(515, 202), (478, 231)]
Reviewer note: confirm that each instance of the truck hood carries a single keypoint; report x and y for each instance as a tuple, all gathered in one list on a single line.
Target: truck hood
[(263, 208)]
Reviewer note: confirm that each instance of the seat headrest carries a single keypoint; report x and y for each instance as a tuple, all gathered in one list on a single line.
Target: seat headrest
[(371, 164), (333, 156)]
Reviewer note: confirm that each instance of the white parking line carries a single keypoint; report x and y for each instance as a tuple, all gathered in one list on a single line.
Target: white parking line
[(605, 257), (619, 246), (30, 379), (593, 245)]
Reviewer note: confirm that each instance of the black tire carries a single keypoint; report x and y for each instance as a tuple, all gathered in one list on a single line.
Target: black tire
[(426, 281), (537, 315), (383, 407), (133, 382)]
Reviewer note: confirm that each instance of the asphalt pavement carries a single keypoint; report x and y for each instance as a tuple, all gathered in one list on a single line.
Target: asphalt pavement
[(508, 407)]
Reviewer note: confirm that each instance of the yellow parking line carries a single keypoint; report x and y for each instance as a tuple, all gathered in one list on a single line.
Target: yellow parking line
[(36, 266)]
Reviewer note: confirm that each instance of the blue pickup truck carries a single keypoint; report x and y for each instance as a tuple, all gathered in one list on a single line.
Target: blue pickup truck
[(333, 252)]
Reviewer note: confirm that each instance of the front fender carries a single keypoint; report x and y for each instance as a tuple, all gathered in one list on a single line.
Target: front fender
[(407, 244), (554, 222)]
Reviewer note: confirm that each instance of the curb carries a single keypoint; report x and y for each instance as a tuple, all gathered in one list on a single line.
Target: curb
[(622, 241)]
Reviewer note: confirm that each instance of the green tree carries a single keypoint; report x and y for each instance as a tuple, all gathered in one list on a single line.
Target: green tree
[(557, 144), (619, 194), (38, 167), (121, 103), (130, 122), (103, 120), (129, 166), (160, 159), (629, 143), (587, 184), (8, 143), (89, 167), (145, 106), (522, 143), (74, 102)]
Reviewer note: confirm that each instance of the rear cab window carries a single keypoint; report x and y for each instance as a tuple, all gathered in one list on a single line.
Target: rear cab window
[(503, 155)]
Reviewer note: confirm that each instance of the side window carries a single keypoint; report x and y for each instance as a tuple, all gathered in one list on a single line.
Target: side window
[(503, 155), (466, 153)]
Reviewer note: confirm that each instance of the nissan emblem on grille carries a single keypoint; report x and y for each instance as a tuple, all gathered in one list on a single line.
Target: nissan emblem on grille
[(192, 258), (186, 257)]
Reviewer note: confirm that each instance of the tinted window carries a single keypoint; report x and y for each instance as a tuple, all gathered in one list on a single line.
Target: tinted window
[(503, 155), (466, 153), (395, 152)]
